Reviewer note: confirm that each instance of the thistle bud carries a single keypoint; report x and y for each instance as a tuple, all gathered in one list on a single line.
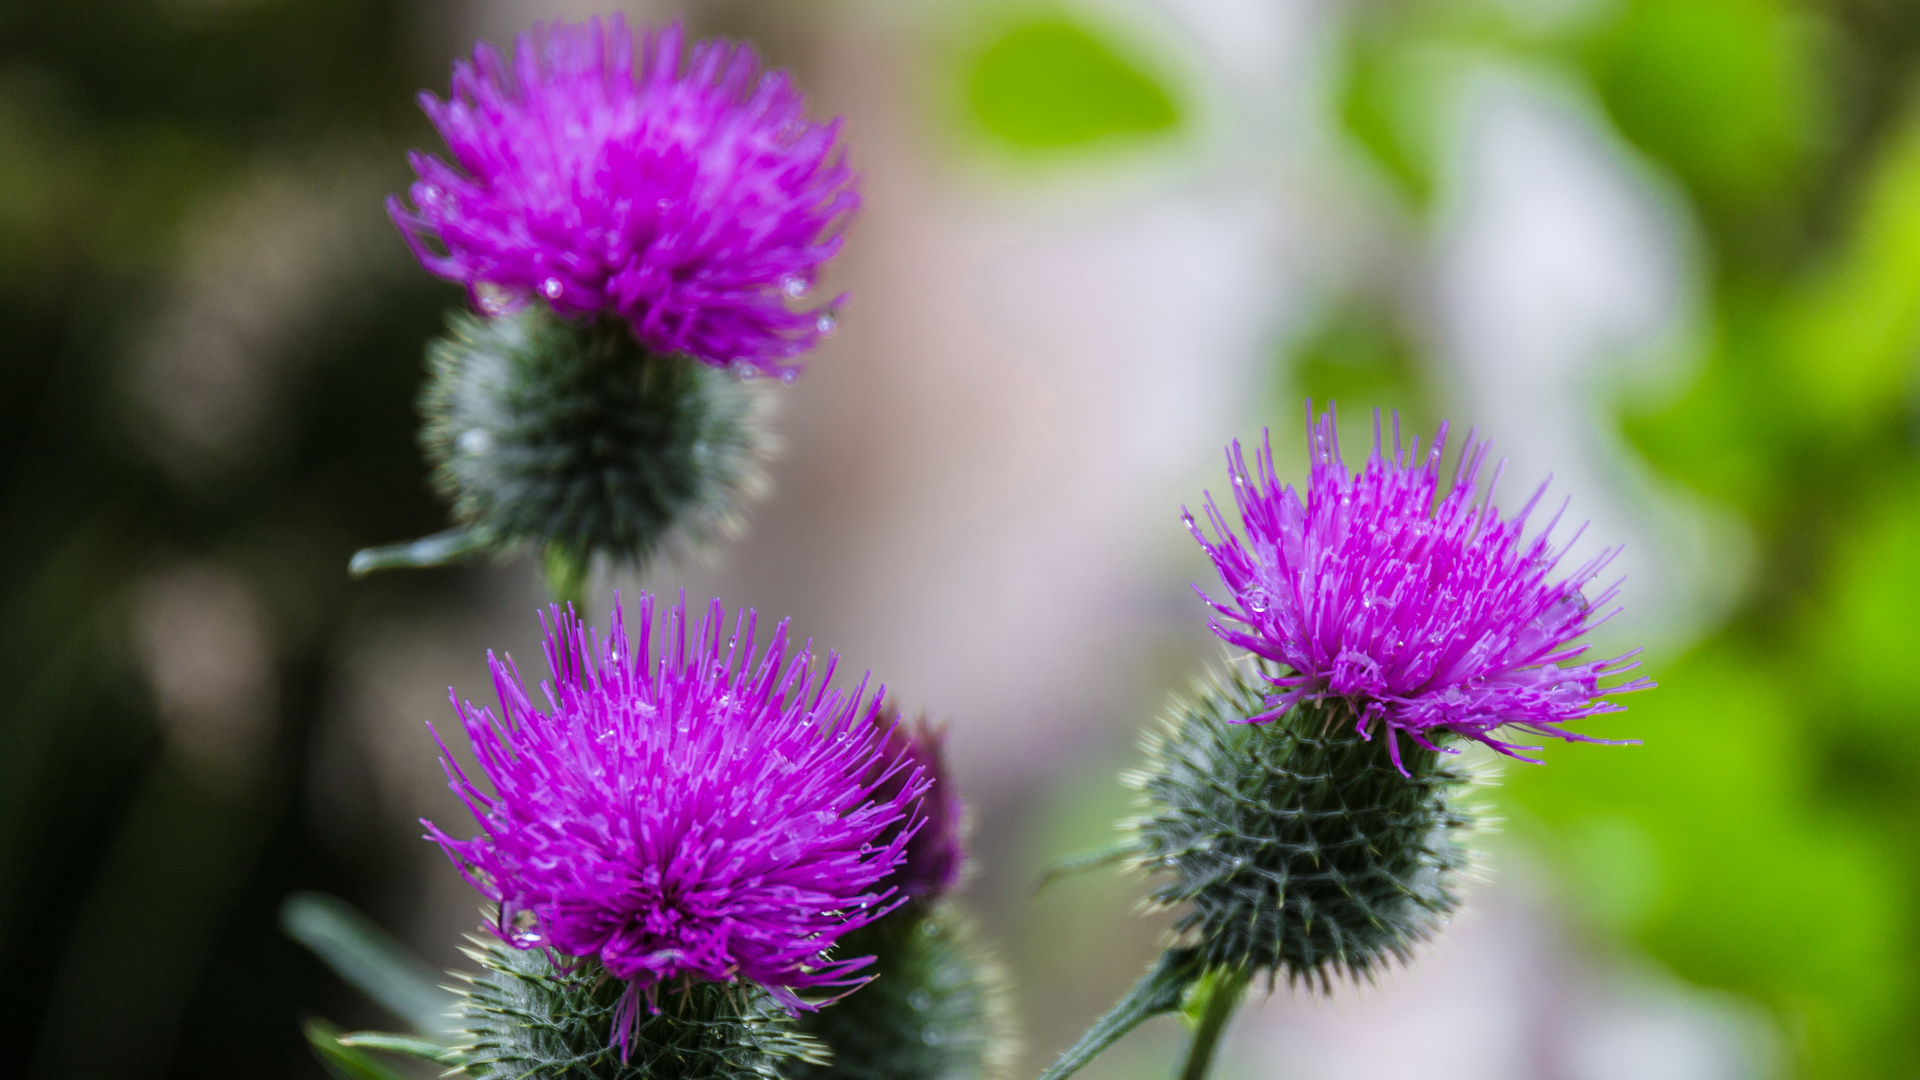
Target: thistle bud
[(525, 1015), (935, 1010), (571, 439), (936, 1007), (1296, 847)]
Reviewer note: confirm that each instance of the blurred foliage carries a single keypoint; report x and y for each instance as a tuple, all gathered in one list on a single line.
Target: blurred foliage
[(1360, 352), (1764, 839), (143, 883), (1054, 82)]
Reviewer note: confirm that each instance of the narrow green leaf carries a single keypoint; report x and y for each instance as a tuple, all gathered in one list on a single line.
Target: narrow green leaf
[(343, 1061), (1159, 991), (425, 1049), (439, 549), (1085, 860), (369, 958)]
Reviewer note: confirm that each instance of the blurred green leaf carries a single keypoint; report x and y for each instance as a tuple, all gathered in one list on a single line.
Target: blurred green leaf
[(1730, 436), (1852, 337), (1360, 356), (1055, 83), (1393, 103), (1727, 92), (1709, 845), (369, 958), (1863, 630)]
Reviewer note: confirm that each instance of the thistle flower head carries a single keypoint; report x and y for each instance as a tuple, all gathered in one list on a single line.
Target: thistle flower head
[(688, 808), (605, 171), (1430, 615)]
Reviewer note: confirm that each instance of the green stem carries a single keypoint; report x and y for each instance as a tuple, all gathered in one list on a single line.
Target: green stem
[(1221, 990), (565, 573), (1160, 991)]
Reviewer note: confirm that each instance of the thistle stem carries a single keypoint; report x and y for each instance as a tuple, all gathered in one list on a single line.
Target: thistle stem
[(1160, 991), (1221, 989), (565, 573)]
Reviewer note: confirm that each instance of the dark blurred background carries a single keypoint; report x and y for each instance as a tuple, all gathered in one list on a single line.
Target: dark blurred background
[(1668, 250)]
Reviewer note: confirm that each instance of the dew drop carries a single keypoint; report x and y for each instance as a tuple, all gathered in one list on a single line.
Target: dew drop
[(920, 1000), (790, 376), (552, 288), (476, 441), (826, 324), (1258, 601), (794, 286), (933, 1035), (428, 195), (494, 300)]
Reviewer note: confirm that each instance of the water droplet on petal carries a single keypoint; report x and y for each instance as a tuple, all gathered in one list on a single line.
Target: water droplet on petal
[(794, 286), (552, 288), (1258, 601), (825, 324), (790, 376), (920, 1000)]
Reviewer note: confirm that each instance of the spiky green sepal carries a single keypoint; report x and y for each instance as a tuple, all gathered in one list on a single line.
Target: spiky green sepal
[(527, 1019), (936, 1009), (569, 438), (1295, 846)]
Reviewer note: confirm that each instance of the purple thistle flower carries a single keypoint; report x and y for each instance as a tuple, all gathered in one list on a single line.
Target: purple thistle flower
[(936, 853), (603, 174), (711, 812), (1429, 617)]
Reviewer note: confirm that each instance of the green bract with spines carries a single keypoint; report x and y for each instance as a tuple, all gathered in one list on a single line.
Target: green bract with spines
[(1295, 845), (935, 1010), (570, 435), (526, 1018), (568, 438)]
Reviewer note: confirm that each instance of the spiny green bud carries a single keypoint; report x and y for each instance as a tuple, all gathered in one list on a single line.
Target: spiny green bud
[(569, 438), (1295, 846), (526, 1019), (935, 1010)]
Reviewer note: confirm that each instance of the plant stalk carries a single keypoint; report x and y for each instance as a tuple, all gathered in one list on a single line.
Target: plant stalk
[(1222, 990)]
